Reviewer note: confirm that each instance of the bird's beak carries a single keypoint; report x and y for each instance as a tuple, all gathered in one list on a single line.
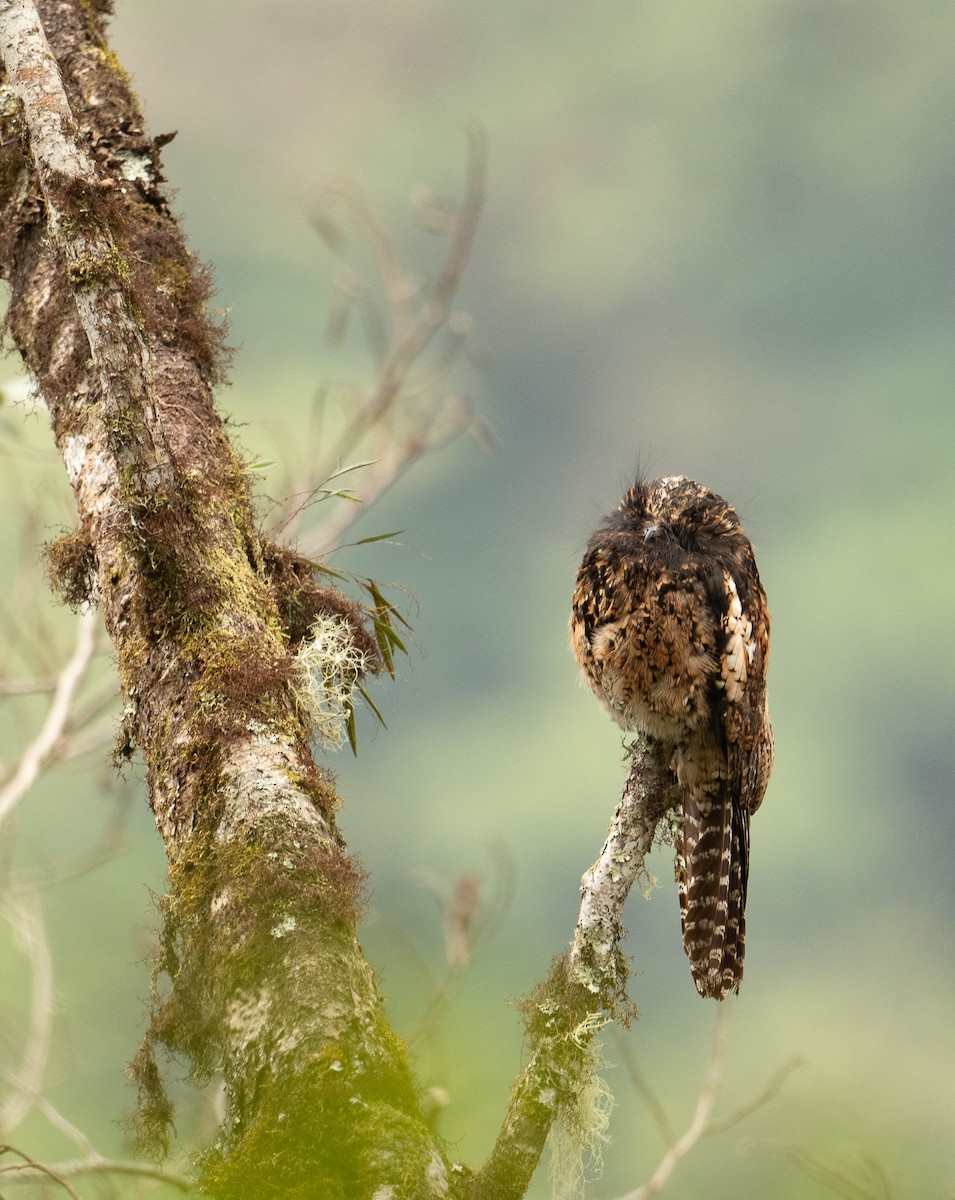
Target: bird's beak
[(651, 531)]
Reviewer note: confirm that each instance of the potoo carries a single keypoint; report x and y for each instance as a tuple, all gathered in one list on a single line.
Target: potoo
[(670, 628)]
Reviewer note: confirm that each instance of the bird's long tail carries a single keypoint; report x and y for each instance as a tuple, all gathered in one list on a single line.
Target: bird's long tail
[(712, 864)]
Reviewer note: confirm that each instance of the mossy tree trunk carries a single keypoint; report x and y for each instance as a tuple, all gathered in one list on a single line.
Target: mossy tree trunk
[(269, 986), (261, 978)]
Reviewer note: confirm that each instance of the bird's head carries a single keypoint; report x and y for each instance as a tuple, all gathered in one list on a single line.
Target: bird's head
[(675, 509)]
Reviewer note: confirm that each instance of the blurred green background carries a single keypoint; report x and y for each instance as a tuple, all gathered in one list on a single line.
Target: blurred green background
[(719, 242)]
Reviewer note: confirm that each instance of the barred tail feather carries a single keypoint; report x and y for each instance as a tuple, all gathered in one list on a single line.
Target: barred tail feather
[(712, 865)]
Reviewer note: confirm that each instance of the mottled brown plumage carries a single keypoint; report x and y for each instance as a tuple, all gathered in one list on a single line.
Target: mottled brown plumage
[(670, 628)]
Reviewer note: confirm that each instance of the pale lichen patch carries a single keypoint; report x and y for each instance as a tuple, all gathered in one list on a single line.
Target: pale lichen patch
[(74, 455), (328, 664), (249, 1016), (437, 1175)]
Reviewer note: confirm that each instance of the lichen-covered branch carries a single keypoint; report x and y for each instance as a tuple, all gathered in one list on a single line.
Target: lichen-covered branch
[(263, 978), (96, 269), (584, 991), (595, 956)]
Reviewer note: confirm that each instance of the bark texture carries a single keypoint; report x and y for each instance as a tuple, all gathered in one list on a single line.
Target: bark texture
[(267, 983)]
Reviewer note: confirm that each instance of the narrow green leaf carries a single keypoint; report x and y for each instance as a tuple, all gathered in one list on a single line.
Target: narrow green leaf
[(395, 613), (371, 704), (326, 494), (350, 728), (386, 610), (378, 537), (371, 587), (392, 637), (384, 648), (371, 462), (328, 570)]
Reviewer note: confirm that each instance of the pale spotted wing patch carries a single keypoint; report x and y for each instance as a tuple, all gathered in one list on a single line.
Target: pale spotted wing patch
[(739, 647)]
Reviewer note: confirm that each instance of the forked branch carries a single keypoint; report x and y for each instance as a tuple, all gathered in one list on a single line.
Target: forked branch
[(702, 1123)]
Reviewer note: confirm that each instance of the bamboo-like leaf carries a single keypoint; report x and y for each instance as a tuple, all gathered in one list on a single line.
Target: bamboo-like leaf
[(327, 494), (388, 632), (371, 462), (372, 705), (395, 613), (384, 648), (378, 537), (350, 727), (372, 588), (317, 566)]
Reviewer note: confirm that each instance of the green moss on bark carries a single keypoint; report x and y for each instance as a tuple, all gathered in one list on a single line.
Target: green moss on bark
[(340, 1132), (241, 917)]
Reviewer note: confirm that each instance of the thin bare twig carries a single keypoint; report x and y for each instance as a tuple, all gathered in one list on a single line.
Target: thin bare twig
[(385, 420), (32, 1169), (73, 1132), (468, 921), (90, 1161), (654, 1104), (398, 289), (434, 311), (27, 687), (100, 700), (702, 1124), (838, 1180), (701, 1115), (106, 848), (42, 748), (769, 1092), (25, 917), (93, 736), (94, 1164)]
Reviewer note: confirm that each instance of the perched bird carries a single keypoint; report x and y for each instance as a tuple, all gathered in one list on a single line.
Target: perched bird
[(670, 629)]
